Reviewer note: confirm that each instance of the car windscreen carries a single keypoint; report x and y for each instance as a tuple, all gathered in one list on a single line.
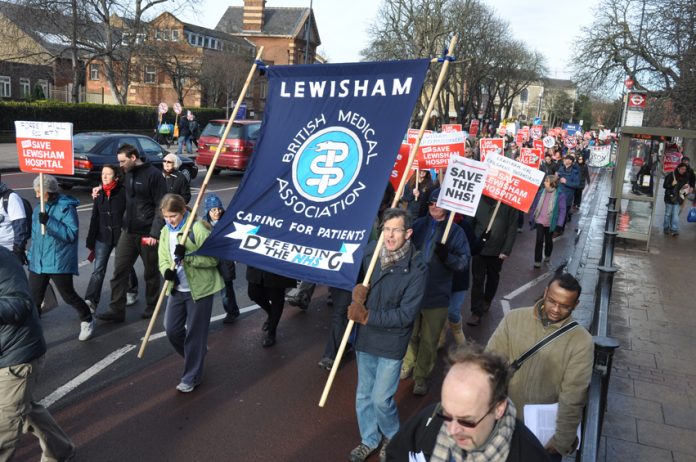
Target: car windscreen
[(217, 128), (85, 143)]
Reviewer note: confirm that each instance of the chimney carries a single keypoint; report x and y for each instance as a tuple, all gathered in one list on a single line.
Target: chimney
[(252, 20)]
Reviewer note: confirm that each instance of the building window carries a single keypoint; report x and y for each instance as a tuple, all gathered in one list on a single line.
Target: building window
[(44, 87), (24, 87), (524, 96), (94, 72), (199, 40), (5, 86), (150, 74), (175, 35)]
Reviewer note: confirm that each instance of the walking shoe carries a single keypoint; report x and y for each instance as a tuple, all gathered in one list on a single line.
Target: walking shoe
[(537, 264), (405, 372), (110, 316), (131, 299), (547, 259), (486, 306), (300, 302), (675, 234), (383, 449), (326, 363), (265, 325), (230, 318), (86, 330), (91, 305), (360, 453), (474, 320), (185, 387), (420, 387), (268, 341)]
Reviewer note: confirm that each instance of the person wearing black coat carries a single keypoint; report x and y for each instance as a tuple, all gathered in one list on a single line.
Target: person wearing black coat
[(177, 183), (145, 187), (21, 359), (474, 421), (104, 229), (268, 291)]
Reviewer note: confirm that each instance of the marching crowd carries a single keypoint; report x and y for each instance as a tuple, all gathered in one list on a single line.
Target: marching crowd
[(413, 298)]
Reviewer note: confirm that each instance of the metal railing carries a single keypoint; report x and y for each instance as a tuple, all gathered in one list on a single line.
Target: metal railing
[(604, 346)]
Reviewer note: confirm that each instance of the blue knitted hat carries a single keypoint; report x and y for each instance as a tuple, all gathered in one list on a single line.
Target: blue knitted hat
[(212, 201)]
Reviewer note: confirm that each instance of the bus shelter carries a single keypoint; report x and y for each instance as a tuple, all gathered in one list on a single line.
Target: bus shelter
[(644, 156)]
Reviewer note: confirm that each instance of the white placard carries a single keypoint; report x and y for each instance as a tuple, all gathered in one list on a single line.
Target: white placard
[(462, 185)]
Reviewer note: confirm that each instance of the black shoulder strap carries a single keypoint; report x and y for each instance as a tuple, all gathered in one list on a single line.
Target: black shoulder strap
[(516, 364), (6, 198)]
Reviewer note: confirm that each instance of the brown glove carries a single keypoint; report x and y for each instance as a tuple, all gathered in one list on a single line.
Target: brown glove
[(358, 313), (360, 294)]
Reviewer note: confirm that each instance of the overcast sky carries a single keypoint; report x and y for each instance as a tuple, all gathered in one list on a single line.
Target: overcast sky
[(549, 26)]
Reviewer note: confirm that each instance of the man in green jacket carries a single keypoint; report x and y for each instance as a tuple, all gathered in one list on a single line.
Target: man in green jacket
[(559, 372)]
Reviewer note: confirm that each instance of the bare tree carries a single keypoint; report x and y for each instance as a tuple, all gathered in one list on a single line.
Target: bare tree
[(652, 41), (223, 77)]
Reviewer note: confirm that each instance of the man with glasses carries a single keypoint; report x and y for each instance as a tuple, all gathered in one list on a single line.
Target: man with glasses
[(557, 373), (475, 421), (385, 315), (145, 187)]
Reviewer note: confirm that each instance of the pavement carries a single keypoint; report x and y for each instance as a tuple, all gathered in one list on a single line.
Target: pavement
[(651, 411)]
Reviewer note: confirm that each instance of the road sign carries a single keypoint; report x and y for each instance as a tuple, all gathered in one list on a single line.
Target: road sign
[(636, 100), (177, 108), (163, 108)]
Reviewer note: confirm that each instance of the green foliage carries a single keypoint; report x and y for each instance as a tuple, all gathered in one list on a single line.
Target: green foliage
[(94, 117)]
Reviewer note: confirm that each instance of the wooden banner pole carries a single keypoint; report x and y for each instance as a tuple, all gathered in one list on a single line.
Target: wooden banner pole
[(199, 198), (397, 198)]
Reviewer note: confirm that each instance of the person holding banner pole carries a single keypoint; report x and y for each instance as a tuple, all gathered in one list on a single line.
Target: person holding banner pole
[(495, 224), (416, 193), (444, 254), (385, 315), (195, 281)]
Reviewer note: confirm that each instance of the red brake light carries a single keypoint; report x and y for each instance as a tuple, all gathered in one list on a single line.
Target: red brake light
[(83, 164)]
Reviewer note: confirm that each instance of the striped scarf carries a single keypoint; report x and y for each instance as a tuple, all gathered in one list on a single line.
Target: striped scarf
[(387, 258), (495, 449)]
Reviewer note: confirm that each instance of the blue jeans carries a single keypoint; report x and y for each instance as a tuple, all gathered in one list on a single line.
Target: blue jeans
[(671, 222), (182, 140), (454, 310), (96, 280), (378, 379)]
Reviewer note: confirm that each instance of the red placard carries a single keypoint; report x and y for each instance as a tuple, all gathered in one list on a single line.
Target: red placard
[(519, 139), (399, 165), (530, 157), (570, 142), (448, 128), (45, 147), (502, 130), (511, 182), (473, 128), (536, 132), (671, 159), (436, 149), (489, 146), (538, 144)]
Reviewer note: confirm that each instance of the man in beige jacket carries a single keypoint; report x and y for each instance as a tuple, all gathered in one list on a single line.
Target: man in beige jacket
[(560, 371)]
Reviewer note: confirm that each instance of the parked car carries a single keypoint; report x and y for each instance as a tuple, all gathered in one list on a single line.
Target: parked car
[(239, 145), (95, 149)]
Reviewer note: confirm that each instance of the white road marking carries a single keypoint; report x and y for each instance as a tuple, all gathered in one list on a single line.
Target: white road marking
[(506, 306), (527, 286), (63, 390)]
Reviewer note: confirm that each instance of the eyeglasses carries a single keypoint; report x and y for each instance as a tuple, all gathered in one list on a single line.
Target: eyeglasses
[(393, 230), (462, 422), (550, 301), (168, 161)]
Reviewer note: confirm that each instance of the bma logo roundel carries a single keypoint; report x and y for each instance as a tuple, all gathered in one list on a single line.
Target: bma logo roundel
[(327, 163)]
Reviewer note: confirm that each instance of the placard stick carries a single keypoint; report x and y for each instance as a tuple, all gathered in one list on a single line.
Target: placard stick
[(495, 212), (42, 207), (199, 198), (450, 220), (397, 197)]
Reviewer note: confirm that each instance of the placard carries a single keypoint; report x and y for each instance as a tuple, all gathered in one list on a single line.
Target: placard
[(489, 146), (599, 156), (462, 185), (436, 149), (511, 182), (530, 157), (45, 147)]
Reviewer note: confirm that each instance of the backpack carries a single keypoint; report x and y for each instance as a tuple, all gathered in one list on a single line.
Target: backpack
[(28, 211)]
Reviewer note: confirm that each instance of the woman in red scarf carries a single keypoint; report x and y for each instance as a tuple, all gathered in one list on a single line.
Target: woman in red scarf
[(104, 229)]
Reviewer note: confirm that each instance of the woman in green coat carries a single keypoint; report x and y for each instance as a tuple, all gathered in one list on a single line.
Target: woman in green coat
[(194, 282)]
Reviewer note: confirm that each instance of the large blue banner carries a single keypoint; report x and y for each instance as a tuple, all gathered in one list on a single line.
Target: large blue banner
[(309, 198)]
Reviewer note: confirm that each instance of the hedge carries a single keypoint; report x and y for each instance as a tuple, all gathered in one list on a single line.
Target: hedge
[(94, 117)]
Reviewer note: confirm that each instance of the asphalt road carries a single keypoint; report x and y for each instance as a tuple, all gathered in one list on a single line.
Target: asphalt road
[(254, 404)]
